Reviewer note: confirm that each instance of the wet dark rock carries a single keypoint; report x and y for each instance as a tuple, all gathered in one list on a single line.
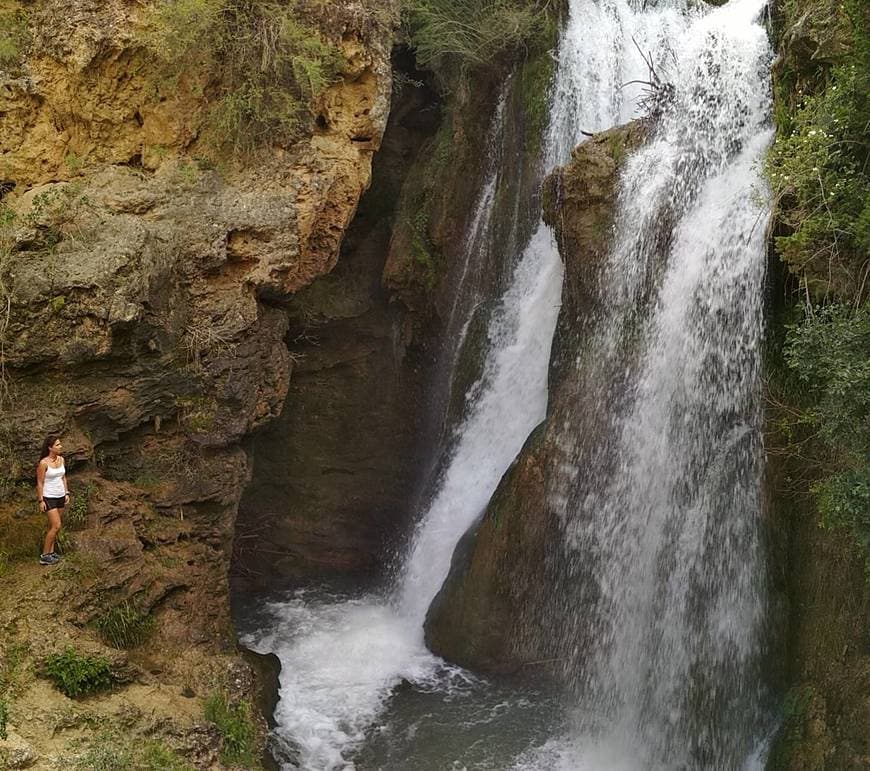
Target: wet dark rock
[(499, 580)]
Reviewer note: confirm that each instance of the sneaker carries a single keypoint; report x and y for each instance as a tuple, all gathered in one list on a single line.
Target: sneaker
[(48, 559)]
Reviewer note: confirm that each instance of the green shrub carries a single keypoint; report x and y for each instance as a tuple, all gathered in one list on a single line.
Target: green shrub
[(233, 721), (453, 36), (4, 717), (124, 626), (155, 756), (75, 674), (262, 65), (4, 563), (64, 543), (819, 167), (829, 354), (14, 37), (75, 516)]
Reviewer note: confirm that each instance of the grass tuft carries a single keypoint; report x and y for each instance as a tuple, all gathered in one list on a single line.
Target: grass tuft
[(14, 37), (452, 37), (233, 721), (125, 626), (75, 516)]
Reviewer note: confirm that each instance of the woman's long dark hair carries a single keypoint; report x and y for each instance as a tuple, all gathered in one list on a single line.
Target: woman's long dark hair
[(49, 440)]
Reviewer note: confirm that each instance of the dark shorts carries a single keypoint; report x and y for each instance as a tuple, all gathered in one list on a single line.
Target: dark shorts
[(54, 503)]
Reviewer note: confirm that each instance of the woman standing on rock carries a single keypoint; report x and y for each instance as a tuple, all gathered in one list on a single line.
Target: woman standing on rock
[(52, 493)]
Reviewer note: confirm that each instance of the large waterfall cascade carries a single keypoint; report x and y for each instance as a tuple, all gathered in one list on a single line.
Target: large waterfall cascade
[(661, 510), (666, 508)]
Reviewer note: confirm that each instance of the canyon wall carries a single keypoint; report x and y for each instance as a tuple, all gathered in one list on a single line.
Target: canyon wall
[(142, 279)]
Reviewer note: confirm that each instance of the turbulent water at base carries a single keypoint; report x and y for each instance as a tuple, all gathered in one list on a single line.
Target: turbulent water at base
[(663, 514)]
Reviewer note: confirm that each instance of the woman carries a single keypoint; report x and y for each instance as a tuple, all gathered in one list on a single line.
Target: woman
[(52, 493)]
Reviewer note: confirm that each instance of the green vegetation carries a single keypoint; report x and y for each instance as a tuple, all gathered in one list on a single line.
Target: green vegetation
[(422, 250), (819, 168), (536, 79), (124, 626), (154, 756), (79, 566), (233, 721), (796, 705), (260, 66), (12, 668), (819, 171), (64, 543), (828, 357), (75, 516), (197, 413), (75, 674), (453, 37), (4, 717), (55, 215), (14, 37), (111, 751)]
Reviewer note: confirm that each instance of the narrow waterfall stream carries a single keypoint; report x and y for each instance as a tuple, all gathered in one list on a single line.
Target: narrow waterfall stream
[(661, 516)]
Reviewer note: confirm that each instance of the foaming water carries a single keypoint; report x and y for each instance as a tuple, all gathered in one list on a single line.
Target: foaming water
[(341, 660), (358, 687)]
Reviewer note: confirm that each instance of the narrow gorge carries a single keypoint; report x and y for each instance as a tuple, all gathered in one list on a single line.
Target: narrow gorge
[(442, 385)]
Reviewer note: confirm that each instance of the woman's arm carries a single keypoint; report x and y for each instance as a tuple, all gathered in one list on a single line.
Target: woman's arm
[(65, 488), (40, 478)]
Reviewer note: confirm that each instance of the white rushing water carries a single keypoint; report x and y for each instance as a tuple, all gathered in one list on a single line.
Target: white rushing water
[(341, 658), (662, 509)]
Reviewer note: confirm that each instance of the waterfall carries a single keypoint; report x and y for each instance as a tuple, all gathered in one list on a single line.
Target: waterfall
[(661, 515), (342, 656), (661, 510)]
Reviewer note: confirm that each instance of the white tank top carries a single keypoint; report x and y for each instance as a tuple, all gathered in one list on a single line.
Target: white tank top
[(52, 485)]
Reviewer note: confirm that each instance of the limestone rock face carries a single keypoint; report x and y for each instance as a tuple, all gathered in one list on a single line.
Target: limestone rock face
[(141, 293), (499, 580)]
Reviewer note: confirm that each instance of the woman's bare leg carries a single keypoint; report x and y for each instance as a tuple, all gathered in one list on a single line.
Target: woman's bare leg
[(53, 529)]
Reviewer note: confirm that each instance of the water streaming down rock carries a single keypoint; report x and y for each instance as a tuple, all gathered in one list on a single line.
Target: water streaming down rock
[(342, 658), (590, 94), (661, 509)]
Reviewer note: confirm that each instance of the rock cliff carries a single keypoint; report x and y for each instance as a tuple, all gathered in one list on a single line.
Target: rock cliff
[(141, 285), (819, 570)]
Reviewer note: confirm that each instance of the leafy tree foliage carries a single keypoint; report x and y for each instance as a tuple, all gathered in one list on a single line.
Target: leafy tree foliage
[(829, 352)]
